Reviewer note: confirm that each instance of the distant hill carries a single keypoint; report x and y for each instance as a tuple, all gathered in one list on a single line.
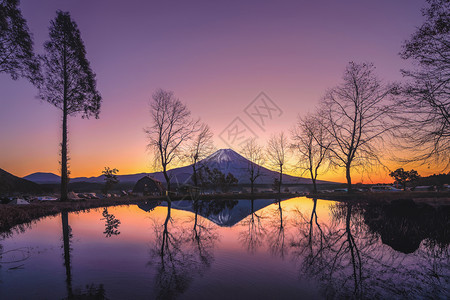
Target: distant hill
[(13, 184), (41, 178), (225, 160)]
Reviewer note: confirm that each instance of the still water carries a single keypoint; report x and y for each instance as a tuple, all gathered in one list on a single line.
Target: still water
[(232, 249)]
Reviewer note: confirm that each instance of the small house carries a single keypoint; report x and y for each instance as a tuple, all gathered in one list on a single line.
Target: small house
[(147, 186)]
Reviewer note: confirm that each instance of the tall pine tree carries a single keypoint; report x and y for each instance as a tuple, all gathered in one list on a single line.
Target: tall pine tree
[(16, 45), (68, 81)]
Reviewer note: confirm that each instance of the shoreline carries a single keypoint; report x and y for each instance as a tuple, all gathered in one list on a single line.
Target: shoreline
[(14, 215), (431, 198)]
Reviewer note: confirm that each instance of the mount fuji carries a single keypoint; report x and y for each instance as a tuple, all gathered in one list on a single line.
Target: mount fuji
[(225, 160)]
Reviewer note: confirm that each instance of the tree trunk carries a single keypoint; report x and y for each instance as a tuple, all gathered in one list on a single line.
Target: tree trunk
[(165, 234), (66, 246), (313, 179), (281, 213), (196, 215), (349, 179), (167, 179), (251, 187), (64, 172), (281, 178), (314, 185), (194, 175)]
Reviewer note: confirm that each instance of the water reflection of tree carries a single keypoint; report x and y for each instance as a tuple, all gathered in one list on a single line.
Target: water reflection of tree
[(111, 224), (203, 237), (310, 243), (92, 291), (349, 261), (276, 236), (412, 232), (252, 238), (67, 237), (179, 255), (348, 253), (331, 254)]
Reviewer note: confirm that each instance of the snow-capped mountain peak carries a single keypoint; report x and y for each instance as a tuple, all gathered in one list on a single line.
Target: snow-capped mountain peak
[(224, 155)]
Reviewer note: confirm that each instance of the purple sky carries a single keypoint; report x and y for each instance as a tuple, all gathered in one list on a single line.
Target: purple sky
[(216, 56)]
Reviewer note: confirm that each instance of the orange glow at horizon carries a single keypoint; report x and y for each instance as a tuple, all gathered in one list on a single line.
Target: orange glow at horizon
[(134, 164)]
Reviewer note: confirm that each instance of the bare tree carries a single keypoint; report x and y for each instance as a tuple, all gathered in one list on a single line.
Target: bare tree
[(277, 154), (426, 97), (200, 147), (172, 127), (311, 143), (354, 115), (254, 154)]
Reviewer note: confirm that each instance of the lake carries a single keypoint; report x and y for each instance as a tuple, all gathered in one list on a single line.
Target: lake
[(297, 248)]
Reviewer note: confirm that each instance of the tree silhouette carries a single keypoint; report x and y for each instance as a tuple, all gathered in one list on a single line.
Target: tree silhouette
[(311, 144), (200, 147), (426, 97), (216, 179), (277, 154), (111, 223), (254, 154), (402, 177), (172, 126), (16, 44), (110, 178), (68, 81), (354, 114)]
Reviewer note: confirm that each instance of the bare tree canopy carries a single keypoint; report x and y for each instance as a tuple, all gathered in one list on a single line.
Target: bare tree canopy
[(354, 115), (68, 81), (311, 143), (277, 154), (255, 156), (16, 44), (426, 97), (172, 126), (199, 148)]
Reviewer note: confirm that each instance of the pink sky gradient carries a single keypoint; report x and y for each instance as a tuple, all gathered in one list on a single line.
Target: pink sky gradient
[(217, 57)]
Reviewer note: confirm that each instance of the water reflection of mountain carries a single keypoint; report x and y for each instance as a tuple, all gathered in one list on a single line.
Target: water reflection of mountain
[(225, 213), (149, 205), (403, 225)]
